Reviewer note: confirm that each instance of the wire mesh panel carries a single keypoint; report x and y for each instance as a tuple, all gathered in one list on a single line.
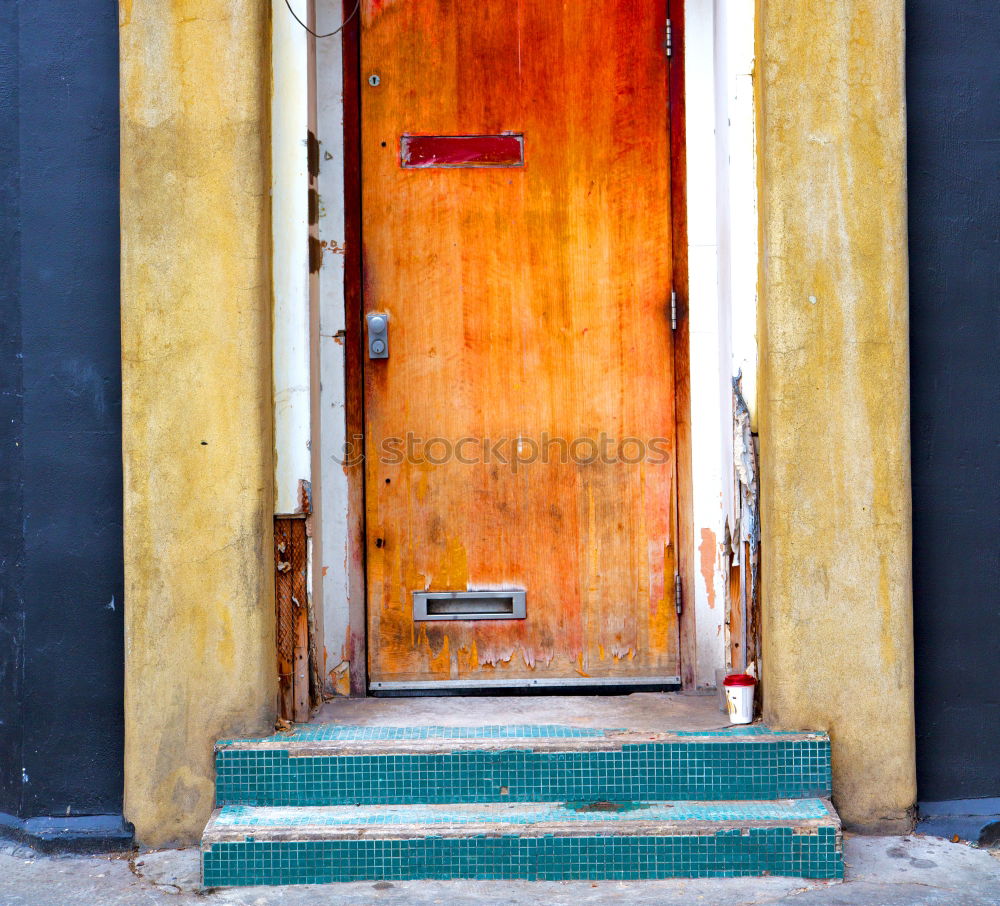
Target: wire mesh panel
[(291, 618)]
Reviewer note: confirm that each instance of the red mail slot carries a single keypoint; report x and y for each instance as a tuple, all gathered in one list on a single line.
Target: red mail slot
[(422, 151)]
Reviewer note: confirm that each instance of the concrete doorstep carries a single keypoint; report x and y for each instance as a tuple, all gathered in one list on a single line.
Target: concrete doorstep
[(881, 871)]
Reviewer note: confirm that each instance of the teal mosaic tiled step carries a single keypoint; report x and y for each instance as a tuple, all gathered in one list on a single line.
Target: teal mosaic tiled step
[(541, 841), (337, 765)]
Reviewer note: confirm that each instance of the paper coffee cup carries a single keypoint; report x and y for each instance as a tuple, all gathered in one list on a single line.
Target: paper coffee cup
[(739, 697)]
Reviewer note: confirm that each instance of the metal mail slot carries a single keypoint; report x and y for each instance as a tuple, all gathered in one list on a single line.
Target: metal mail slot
[(469, 605)]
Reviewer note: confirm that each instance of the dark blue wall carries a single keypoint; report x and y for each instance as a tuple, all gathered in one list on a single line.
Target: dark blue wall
[(953, 110), (61, 649)]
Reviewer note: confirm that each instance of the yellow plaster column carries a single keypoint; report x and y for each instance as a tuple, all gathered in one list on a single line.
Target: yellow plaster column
[(834, 393), (196, 373)]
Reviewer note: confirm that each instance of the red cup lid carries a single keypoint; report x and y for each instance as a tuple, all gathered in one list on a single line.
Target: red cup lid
[(739, 679)]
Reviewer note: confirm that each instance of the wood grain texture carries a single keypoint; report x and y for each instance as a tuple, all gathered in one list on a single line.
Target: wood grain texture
[(524, 303), (353, 353), (682, 345), (734, 618)]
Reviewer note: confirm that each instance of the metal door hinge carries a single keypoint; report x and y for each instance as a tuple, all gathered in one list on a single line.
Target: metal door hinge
[(678, 597), (673, 310), (668, 40)]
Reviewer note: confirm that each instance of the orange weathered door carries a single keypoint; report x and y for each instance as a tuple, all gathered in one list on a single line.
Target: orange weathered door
[(520, 432)]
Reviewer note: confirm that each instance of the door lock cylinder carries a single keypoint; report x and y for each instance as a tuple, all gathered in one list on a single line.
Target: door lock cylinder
[(378, 335)]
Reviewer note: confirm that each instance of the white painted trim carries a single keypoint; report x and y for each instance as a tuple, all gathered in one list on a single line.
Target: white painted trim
[(742, 190), (290, 254), (704, 291), (332, 393), (722, 266)]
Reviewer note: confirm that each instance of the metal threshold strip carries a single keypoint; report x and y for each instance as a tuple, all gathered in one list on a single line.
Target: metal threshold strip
[(579, 682)]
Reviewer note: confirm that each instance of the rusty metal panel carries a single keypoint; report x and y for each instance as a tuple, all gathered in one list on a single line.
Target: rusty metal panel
[(284, 623), (291, 618)]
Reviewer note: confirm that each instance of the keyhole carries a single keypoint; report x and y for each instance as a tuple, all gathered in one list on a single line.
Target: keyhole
[(373, 80)]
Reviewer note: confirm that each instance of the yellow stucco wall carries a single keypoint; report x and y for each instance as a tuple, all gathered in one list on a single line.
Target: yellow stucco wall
[(834, 393), (197, 399)]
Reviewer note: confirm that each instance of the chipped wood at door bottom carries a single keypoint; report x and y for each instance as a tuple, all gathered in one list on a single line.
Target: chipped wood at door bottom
[(292, 623)]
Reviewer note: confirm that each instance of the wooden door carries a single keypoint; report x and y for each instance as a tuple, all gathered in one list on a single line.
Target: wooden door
[(520, 433)]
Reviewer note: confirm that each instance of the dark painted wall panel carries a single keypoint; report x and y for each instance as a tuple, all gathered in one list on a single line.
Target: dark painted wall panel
[(953, 101), (67, 300), (11, 419)]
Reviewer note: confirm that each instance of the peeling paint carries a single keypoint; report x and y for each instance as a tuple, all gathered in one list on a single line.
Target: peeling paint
[(746, 531), (304, 496), (312, 154), (315, 255), (441, 663), (340, 678), (707, 551), (333, 246)]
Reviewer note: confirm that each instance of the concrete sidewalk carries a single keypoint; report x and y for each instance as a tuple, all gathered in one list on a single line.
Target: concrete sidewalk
[(881, 871)]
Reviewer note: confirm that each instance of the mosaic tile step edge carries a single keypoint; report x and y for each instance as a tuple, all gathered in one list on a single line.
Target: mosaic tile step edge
[(691, 769), (299, 850), (236, 823), (346, 739)]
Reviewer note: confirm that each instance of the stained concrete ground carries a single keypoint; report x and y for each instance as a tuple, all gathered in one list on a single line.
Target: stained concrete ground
[(654, 711), (881, 871)]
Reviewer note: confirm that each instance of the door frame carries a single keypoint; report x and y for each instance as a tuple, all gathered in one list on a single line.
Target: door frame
[(354, 351)]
